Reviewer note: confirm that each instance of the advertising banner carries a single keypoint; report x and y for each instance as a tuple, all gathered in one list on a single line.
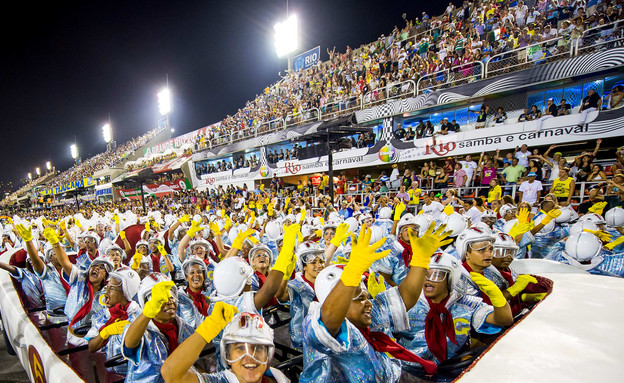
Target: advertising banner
[(157, 190), (307, 59)]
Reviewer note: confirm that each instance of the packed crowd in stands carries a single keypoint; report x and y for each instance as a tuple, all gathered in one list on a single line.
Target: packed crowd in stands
[(186, 258), (474, 31)]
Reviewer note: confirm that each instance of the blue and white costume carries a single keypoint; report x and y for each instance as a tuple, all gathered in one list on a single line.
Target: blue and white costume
[(348, 357), (55, 295), (145, 360), (31, 286), (300, 294), (114, 345), (605, 263), (392, 264), (467, 311), (78, 296)]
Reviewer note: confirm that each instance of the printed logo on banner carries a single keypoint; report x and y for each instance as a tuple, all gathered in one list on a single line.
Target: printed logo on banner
[(441, 149), (36, 366), (292, 168), (210, 181), (387, 153), (264, 171)]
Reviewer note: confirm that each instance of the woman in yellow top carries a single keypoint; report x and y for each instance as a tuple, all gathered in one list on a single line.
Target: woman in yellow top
[(563, 187), (495, 193)]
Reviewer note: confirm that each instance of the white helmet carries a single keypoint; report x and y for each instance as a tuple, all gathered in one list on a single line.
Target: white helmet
[(141, 242), (334, 216), (90, 234), (583, 246), (385, 212), (593, 217), (291, 218), (614, 217), (247, 328), (258, 248), (423, 221), (471, 235), (353, 224), (325, 282), (488, 213), (455, 223), (104, 260), (580, 226), (505, 245), (506, 208), (195, 260), (568, 214), (48, 250), (407, 219), (130, 281), (273, 229), (330, 225), (233, 233), (550, 226), (230, 277), (115, 247), (448, 263), (307, 230), (483, 226), (146, 285), (307, 252), (156, 240), (200, 242), (376, 234), (364, 217)]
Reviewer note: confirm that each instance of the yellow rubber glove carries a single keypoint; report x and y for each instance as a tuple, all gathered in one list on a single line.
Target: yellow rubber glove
[(161, 250), (290, 268), (122, 235), (287, 253), (252, 218), (375, 287), (222, 314), (194, 229), (490, 289), (222, 213), (400, 208), (533, 297), (116, 218), (519, 228), (363, 255), (598, 207), (554, 213), (115, 328), (424, 247), (448, 210), (613, 244), (341, 260), (603, 236), (136, 260), (77, 222), (303, 215), (322, 220), (25, 233), (342, 233), (319, 233), (147, 226), (185, 218), (160, 295), (50, 235), (523, 215), (228, 222), (215, 228), (521, 283), (62, 225), (286, 203), (270, 209), (240, 238)]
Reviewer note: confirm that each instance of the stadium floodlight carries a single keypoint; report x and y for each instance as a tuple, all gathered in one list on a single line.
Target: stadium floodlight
[(107, 132), (74, 151), (38, 171), (286, 36), (164, 101), (49, 165), (30, 176)]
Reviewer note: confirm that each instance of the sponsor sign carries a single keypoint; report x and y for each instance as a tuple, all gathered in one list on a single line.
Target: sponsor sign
[(307, 59), (157, 190)]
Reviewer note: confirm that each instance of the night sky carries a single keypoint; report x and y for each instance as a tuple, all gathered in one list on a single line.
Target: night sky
[(68, 65)]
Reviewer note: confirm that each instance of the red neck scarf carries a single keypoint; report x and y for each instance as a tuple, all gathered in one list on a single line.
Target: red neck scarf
[(407, 253), (484, 297), (170, 330), (437, 330), (311, 285), (199, 300), (63, 281), (383, 343), (86, 308), (117, 312), (507, 275), (155, 263)]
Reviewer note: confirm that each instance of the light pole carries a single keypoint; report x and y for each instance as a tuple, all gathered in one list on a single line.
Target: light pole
[(49, 166), (287, 38), (107, 132), (38, 171), (73, 149), (164, 104), (30, 176)]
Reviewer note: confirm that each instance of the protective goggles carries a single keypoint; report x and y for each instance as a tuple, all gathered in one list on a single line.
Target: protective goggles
[(237, 351), (436, 275), (488, 246), (503, 252), (173, 292), (310, 256)]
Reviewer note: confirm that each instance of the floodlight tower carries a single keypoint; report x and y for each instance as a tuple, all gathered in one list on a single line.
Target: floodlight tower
[(287, 38)]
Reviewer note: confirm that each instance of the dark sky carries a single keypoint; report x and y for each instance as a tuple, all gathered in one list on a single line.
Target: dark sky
[(68, 65)]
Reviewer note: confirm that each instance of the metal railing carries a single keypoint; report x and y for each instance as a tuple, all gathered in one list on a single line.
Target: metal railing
[(341, 107), (305, 116), (600, 38), (393, 91), (450, 77)]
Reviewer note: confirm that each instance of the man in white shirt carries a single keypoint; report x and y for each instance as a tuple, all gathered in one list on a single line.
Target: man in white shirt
[(395, 181), (521, 11), (532, 16), (530, 191), (522, 155), (469, 167), (431, 207)]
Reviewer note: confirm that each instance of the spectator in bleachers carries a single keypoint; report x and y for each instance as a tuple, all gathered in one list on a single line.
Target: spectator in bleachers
[(597, 174), (616, 97), (535, 113), (500, 116), (590, 103), (522, 154), (482, 115), (511, 174), (530, 190), (524, 116), (563, 109)]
